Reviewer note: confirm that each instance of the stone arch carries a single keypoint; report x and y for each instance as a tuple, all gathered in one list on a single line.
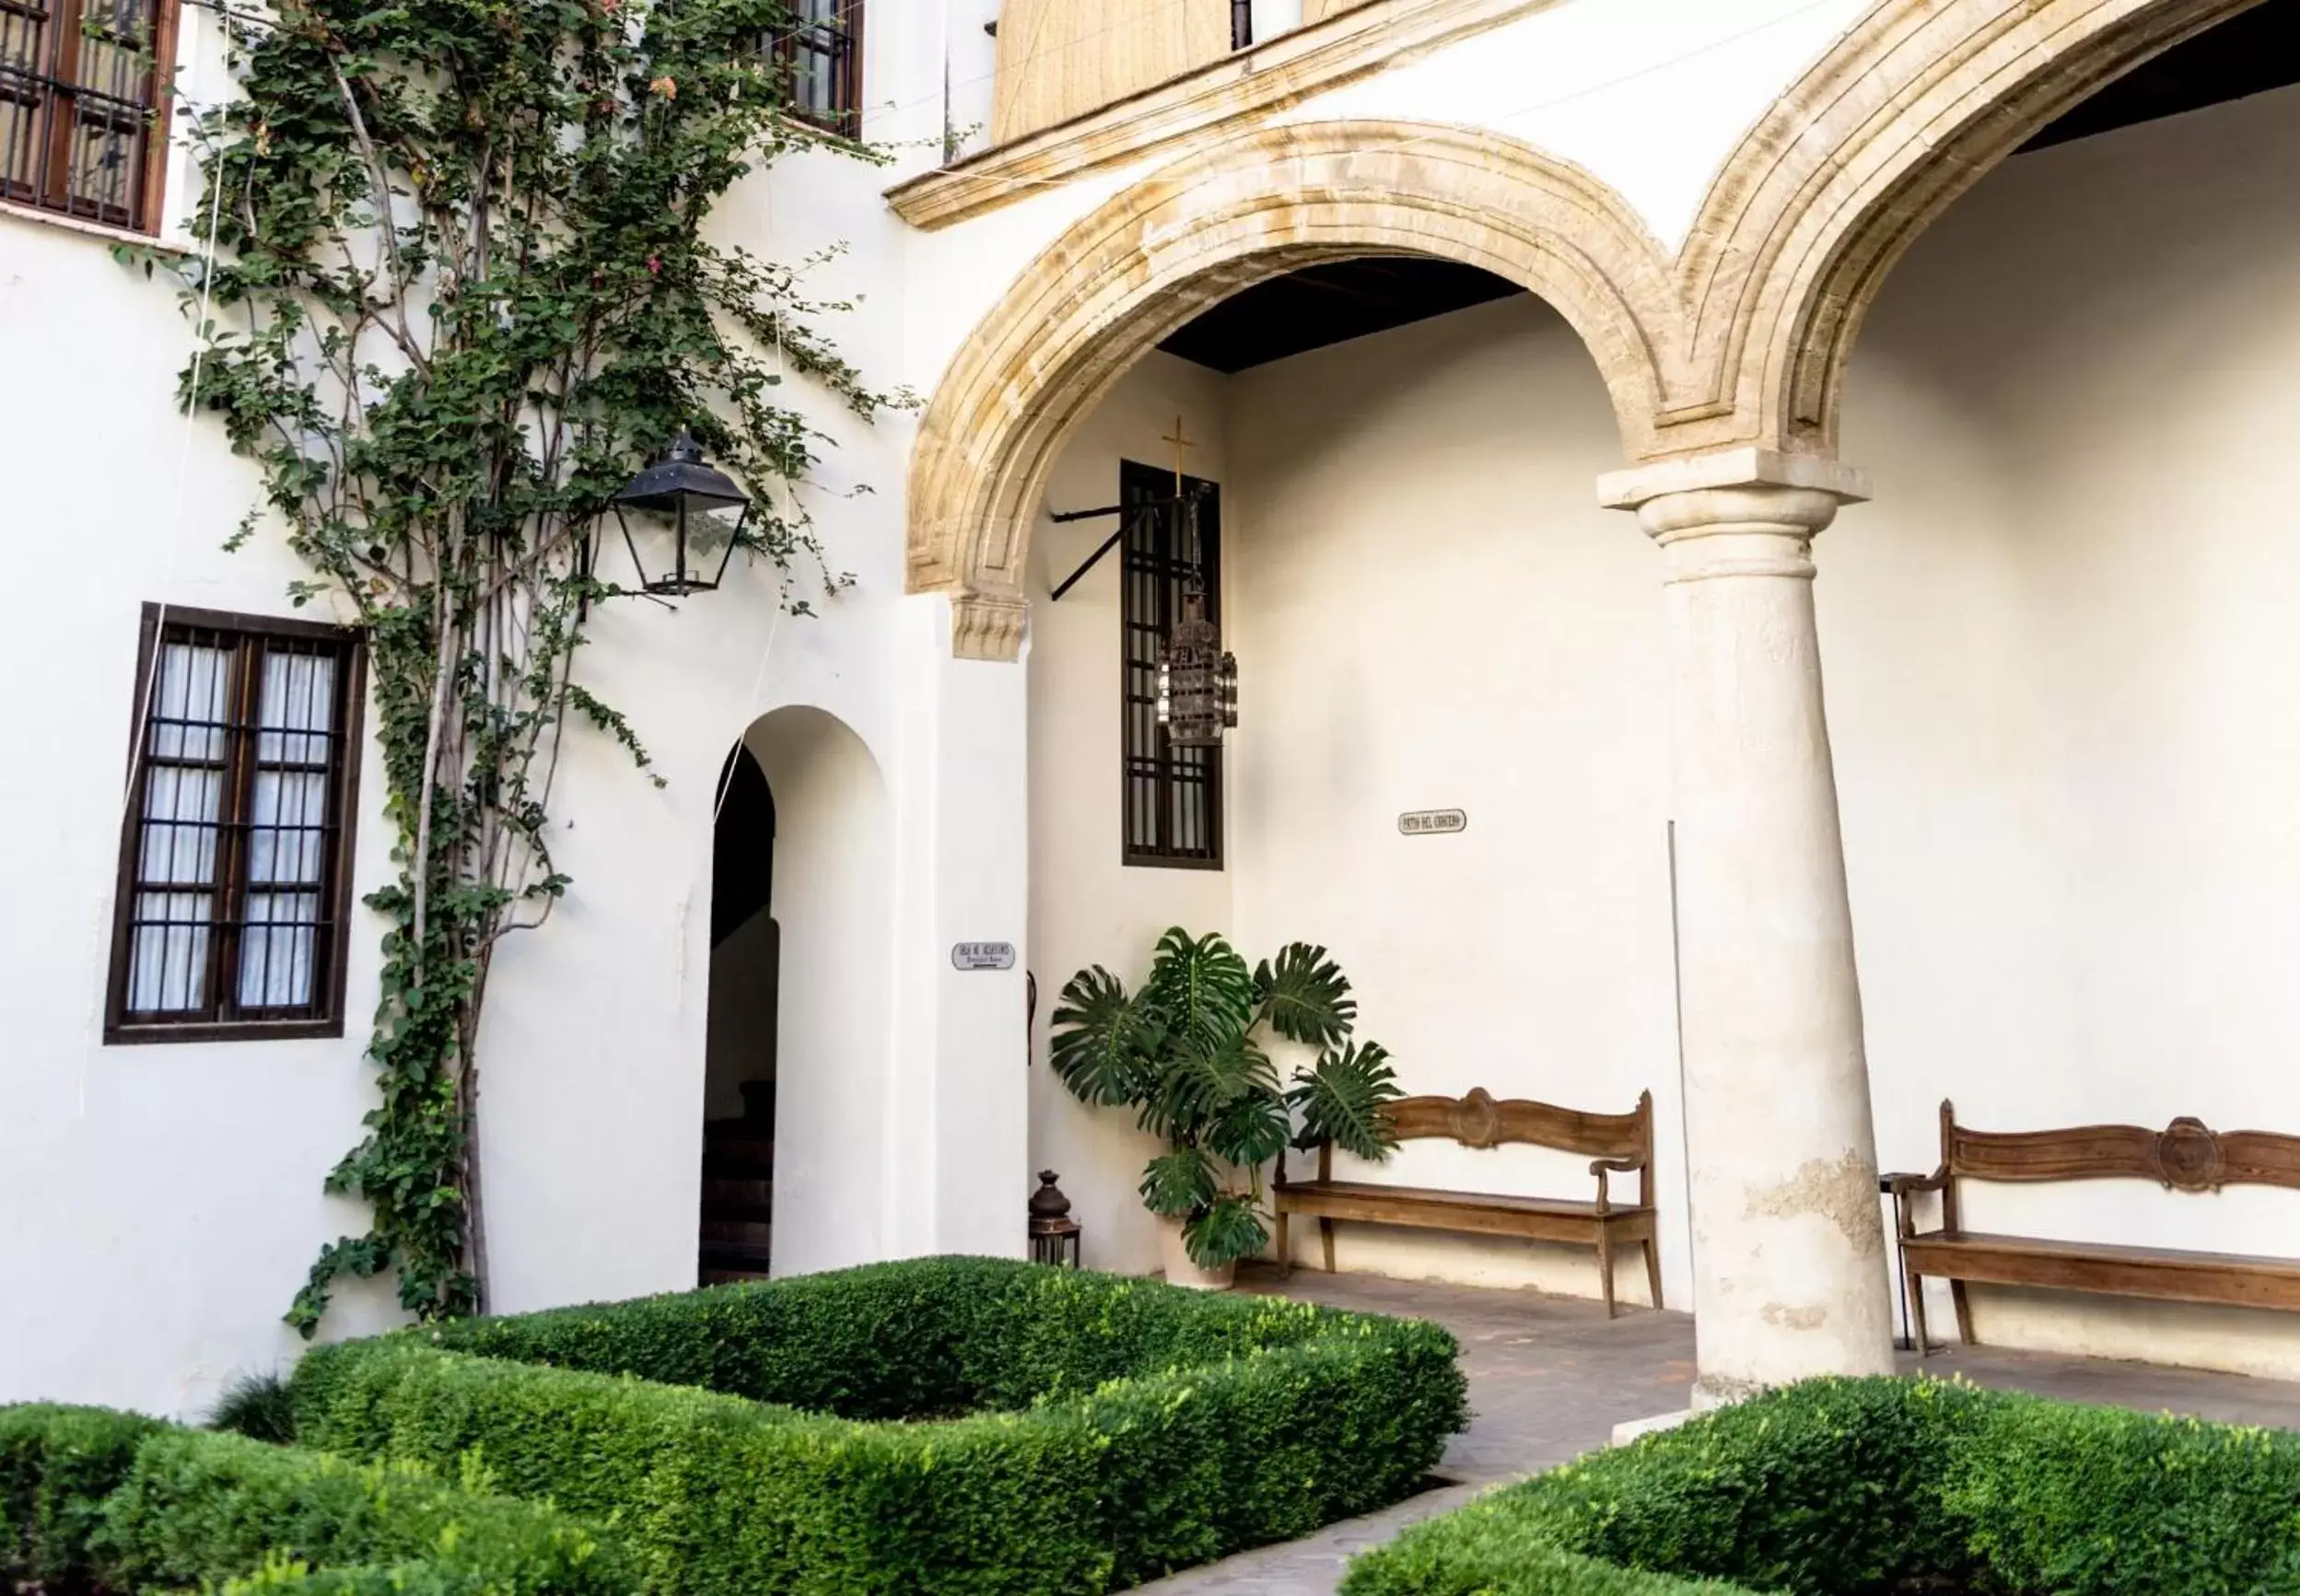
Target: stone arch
[(1263, 201), (1910, 107)]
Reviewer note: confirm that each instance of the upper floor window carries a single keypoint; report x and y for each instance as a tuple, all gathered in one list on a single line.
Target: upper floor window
[(83, 106), (234, 854), (821, 50), (1173, 795)]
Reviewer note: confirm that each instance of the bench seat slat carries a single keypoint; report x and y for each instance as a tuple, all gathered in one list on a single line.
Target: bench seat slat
[(2163, 1273), (1539, 1218)]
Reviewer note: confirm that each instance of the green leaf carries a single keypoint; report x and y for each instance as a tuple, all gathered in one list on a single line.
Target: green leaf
[(1100, 1040), (1199, 1077), (1250, 1129), (1304, 996), (1230, 1228), (1343, 1098), (1199, 987), (1179, 1184)]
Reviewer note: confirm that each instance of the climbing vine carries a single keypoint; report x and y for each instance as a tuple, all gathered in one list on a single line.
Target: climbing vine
[(458, 291)]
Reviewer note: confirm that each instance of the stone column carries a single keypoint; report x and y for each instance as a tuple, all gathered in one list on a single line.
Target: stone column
[(1788, 1236)]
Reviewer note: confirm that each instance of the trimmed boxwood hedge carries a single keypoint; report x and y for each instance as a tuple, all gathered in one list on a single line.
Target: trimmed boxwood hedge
[(958, 1425), (92, 1497), (1861, 1488)]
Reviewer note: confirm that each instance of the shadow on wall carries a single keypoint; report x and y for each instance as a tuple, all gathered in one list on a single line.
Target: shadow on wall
[(801, 928)]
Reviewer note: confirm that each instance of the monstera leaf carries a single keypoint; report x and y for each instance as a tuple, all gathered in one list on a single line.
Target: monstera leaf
[(1200, 987), (1102, 1041), (1200, 1077), (1179, 1184), (1230, 1228), (1304, 996), (1344, 1098)]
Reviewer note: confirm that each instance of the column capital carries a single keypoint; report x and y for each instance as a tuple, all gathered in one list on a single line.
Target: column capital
[(1747, 468)]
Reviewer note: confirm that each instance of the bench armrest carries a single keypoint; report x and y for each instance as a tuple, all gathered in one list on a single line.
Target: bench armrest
[(1601, 1167), (1904, 1186)]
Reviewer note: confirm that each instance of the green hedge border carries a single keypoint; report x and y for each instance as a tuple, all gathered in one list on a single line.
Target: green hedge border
[(1090, 1431), (122, 1502), (1850, 1487)]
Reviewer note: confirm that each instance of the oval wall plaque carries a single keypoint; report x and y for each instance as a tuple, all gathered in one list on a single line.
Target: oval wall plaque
[(1432, 823), (982, 955)]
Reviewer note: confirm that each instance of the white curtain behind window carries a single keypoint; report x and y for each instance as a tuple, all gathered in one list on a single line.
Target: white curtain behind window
[(187, 754), (287, 830)]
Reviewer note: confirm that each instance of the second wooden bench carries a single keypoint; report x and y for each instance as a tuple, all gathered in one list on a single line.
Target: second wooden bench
[(2187, 1155), (1615, 1142)]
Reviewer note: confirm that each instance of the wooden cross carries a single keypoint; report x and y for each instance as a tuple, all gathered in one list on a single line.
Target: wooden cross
[(1180, 442)]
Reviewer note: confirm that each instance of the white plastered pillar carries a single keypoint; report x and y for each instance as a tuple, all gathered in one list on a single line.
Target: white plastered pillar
[(958, 1131), (1789, 1243)]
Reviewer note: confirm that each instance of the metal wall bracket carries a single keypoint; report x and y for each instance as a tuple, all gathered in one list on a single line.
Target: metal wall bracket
[(1095, 558)]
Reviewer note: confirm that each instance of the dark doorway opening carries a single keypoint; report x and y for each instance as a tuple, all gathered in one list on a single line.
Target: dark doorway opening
[(739, 1051)]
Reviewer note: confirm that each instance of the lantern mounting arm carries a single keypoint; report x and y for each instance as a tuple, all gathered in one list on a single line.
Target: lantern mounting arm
[(1095, 558), (1108, 544)]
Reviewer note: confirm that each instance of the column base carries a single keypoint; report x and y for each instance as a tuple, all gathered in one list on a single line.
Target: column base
[(1711, 1392)]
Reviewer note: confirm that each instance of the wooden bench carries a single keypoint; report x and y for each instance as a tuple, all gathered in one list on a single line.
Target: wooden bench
[(1617, 1143), (2186, 1156)]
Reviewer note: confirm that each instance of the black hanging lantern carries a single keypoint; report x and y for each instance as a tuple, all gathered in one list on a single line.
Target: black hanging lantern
[(689, 512), (1053, 1233), (1197, 683)]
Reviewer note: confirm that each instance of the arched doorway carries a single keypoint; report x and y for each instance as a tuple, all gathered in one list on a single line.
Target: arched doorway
[(740, 1047), (795, 1063)]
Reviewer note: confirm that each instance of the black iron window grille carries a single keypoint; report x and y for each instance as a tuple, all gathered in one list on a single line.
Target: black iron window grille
[(821, 55), (234, 854), (83, 119), (1173, 795)]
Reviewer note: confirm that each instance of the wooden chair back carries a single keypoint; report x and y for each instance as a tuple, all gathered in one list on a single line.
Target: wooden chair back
[(2187, 1155)]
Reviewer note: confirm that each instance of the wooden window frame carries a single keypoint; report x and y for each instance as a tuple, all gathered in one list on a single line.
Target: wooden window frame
[(1139, 569), (217, 1021), (845, 117), (52, 91)]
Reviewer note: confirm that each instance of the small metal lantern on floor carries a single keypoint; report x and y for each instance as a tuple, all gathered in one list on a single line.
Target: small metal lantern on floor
[(1053, 1233), (683, 504)]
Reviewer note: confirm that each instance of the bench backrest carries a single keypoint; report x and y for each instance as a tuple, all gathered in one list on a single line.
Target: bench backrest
[(1477, 1119), (2187, 1155)]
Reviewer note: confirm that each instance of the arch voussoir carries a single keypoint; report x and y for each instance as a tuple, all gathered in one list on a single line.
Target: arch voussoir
[(1911, 106), (1267, 200)]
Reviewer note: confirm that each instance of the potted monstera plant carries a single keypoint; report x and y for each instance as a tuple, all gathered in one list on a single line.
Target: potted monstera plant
[(1187, 1055)]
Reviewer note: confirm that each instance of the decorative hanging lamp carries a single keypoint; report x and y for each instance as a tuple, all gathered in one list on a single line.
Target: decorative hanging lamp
[(689, 511), (1197, 682)]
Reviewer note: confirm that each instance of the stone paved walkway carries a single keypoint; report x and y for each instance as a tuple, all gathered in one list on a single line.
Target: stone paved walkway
[(1549, 1377)]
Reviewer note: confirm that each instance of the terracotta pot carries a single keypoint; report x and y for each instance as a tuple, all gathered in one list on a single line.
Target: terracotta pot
[(1180, 1269)]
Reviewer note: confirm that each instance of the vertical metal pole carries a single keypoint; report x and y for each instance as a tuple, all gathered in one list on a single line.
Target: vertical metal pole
[(949, 133), (1676, 985), (1241, 23)]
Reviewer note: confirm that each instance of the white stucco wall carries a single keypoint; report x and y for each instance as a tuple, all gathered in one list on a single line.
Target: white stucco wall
[(1433, 613), (160, 1205), (2057, 662)]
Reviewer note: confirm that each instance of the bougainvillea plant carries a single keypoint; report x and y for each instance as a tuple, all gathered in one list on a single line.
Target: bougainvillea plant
[(457, 290)]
